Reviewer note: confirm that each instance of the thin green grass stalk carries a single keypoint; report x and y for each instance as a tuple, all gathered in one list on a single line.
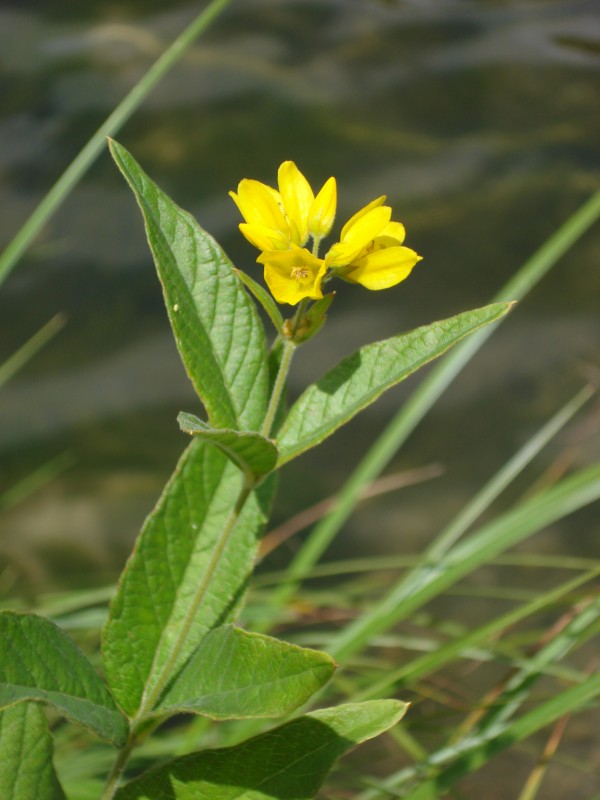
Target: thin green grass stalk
[(481, 501), (479, 548), (387, 563), (407, 742), (409, 416), (35, 481), (518, 688), (479, 504), (506, 698), (442, 545), (495, 741), (31, 347), (77, 168), (409, 674)]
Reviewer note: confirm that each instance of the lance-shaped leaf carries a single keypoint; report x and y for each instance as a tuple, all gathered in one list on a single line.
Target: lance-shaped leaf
[(26, 749), (177, 585), (219, 335), (289, 762), (264, 298), (38, 661), (235, 674), (252, 453), (361, 378)]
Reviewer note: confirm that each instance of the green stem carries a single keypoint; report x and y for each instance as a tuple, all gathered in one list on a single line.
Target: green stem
[(76, 169), (112, 783), (279, 386), (151, 697)]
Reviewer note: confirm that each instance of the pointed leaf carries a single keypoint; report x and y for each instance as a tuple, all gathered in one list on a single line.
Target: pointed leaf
[(254, 454), (360, 379), (26, 749), (149, 612), (40, 662), (235, 674), (219, 335), (287, 763), (264, 298)]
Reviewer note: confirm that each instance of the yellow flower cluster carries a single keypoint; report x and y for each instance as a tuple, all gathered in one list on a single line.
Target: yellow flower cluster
[(280, 223)]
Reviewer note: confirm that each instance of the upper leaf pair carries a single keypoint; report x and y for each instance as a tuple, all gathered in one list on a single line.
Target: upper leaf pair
[(222, 342)]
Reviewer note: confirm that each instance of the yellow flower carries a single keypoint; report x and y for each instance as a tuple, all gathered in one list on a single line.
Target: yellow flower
[(293, 274), (274, 220), (279, 222), (370, 250)]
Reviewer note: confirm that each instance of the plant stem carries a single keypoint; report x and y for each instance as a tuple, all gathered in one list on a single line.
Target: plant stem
[(112, 783), (77, 168), (279, 386), (151, 697)]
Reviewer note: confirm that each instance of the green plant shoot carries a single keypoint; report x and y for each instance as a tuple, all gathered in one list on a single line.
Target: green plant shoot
[(170, 644)]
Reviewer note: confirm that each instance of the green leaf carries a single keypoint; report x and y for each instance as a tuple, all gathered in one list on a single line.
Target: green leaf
[(252, 453), (26, 749), (362, 377), (264, 298), (219, 335), (235, 674), (287, 763), (150, 633), (40, 662)]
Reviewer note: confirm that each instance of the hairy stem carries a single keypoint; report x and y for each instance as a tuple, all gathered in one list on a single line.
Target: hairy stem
[(152, 694), (151, 697), (112, 783), (279, 386)]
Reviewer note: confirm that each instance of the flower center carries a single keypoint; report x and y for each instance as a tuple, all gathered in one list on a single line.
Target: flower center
[(300, 273)]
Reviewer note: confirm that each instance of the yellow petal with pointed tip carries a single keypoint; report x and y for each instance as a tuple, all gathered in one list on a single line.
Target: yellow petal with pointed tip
[(358, 236), (297, 197), (379, 201), (260, 204), (382, 268), (322, 211)]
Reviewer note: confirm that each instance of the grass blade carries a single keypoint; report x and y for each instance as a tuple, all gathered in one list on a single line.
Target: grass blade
[(26, 352), (481, 547), (77, 168), (440, 377), (409, 674)]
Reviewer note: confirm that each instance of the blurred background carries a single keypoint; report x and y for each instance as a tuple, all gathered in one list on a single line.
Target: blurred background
[(480, 122)]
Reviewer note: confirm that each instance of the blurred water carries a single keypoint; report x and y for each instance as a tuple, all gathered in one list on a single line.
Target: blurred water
[(479, 120)]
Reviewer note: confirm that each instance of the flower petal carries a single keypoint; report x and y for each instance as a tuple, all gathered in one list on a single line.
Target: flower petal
[(264, 238), (292, 275), (322, 211), (394, 230), (297, 197), (379, 201), (358, 236), (382, 268), (260, 204)]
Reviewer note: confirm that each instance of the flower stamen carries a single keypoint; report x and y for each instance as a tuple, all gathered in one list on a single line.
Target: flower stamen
[(300, 273)]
